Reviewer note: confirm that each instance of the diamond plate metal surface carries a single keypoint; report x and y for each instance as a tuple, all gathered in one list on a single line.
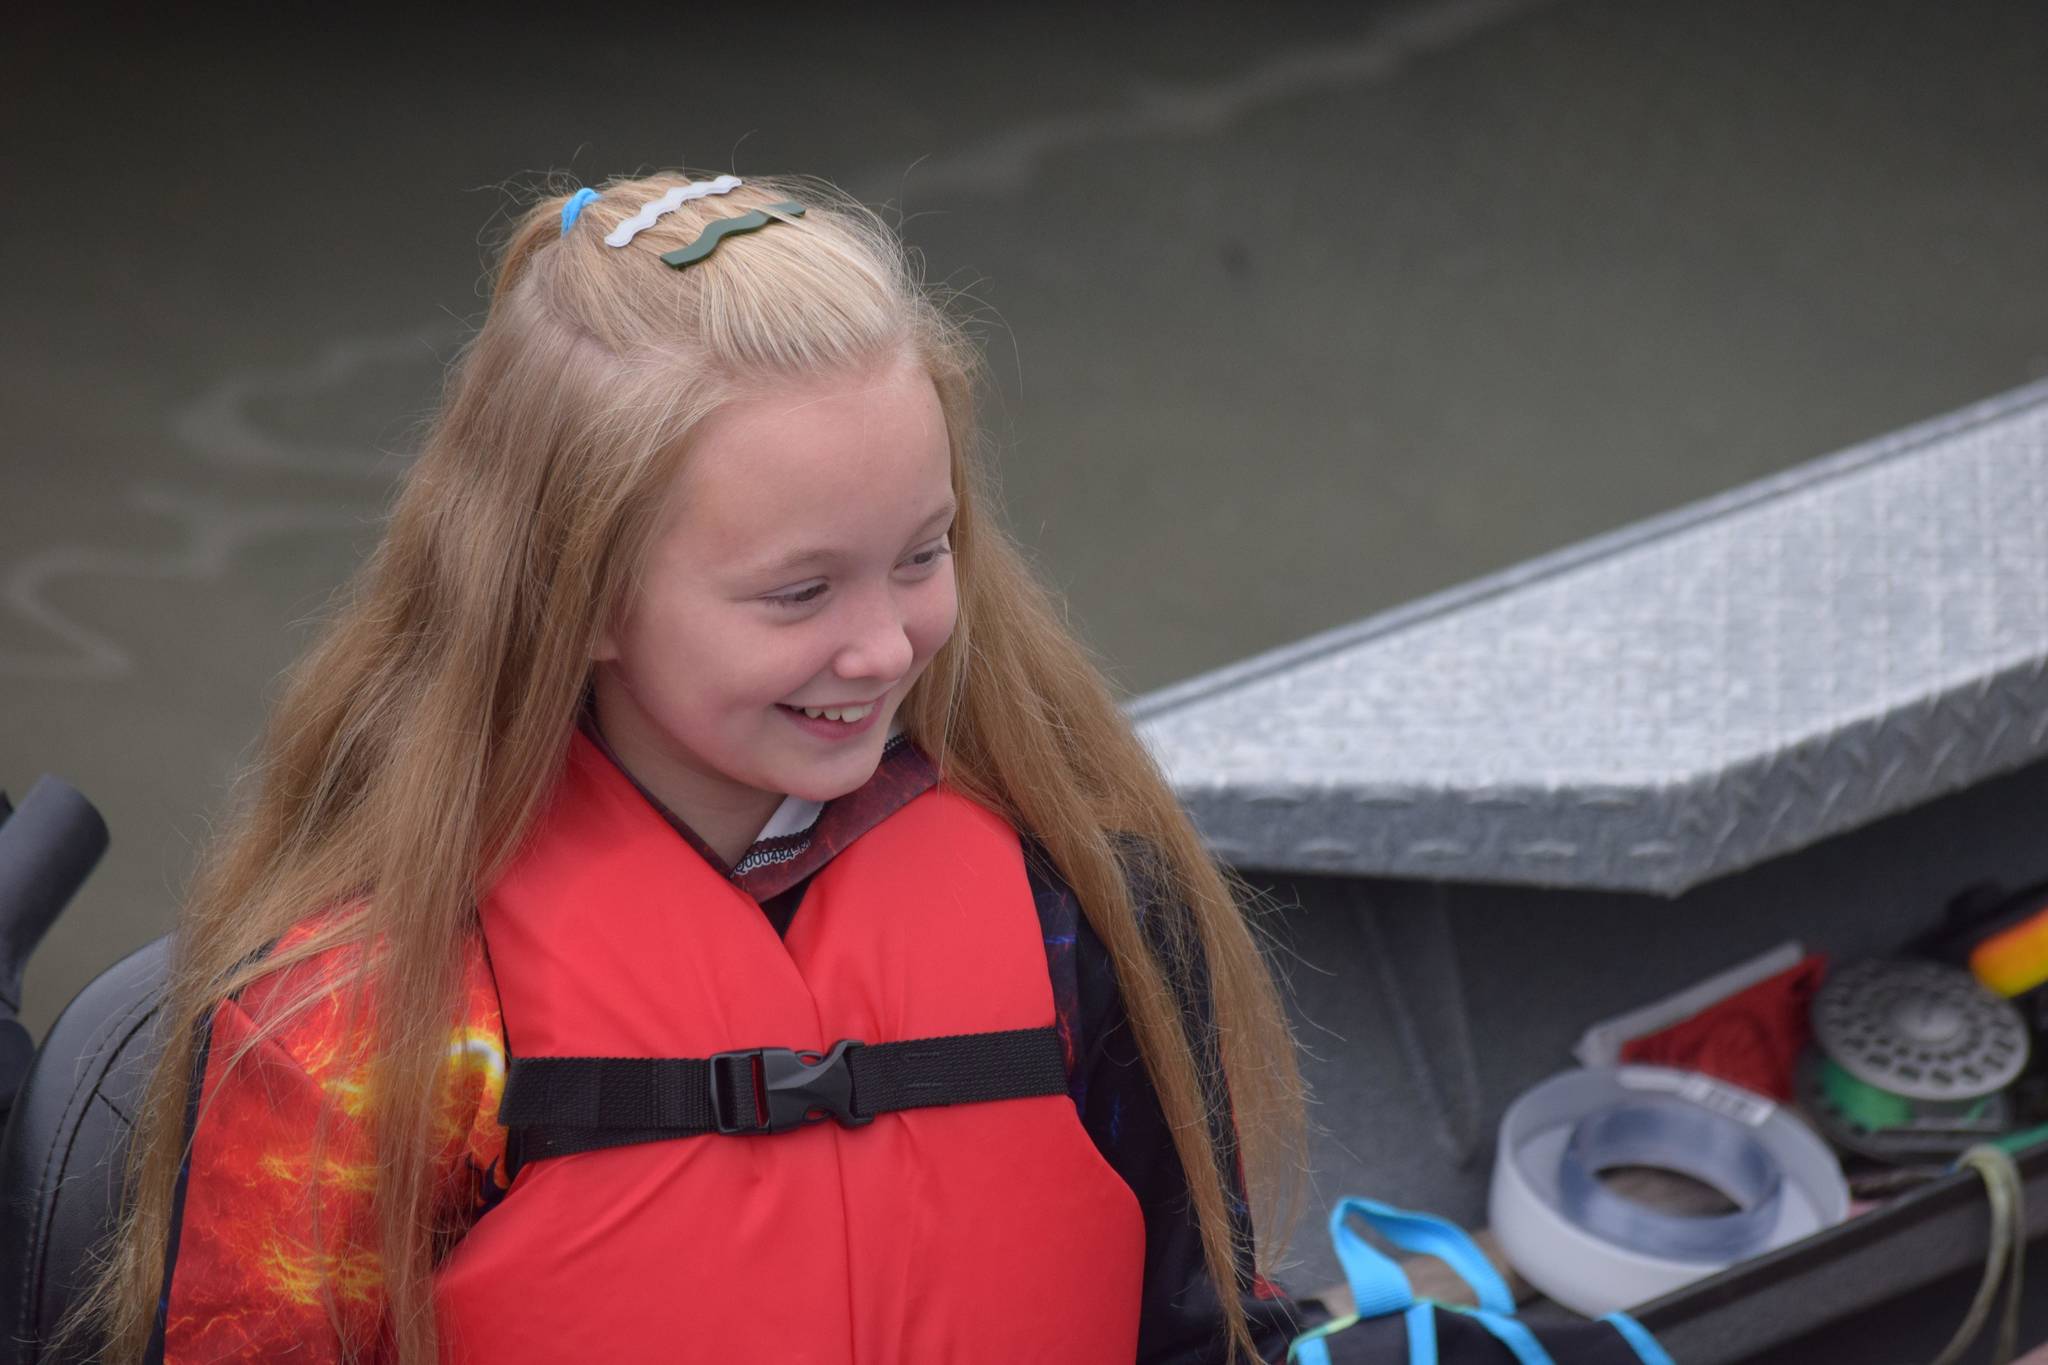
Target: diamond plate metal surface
[(1657, 707)]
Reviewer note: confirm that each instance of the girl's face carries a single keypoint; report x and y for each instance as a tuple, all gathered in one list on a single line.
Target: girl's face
[(801, 564)]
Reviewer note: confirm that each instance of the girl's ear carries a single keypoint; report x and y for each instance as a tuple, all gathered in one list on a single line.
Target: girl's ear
[(604, 649)]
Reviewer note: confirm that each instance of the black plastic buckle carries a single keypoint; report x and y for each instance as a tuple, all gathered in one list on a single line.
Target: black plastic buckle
[(792, 1086)]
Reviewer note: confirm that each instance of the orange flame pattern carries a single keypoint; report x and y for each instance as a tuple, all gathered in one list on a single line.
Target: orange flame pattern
[(275, 1255)]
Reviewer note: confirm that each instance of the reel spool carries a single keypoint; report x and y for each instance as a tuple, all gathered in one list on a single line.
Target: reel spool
[(1910, 1061)]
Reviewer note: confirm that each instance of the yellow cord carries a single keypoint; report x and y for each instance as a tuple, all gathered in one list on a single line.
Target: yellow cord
[(2004, 1260)]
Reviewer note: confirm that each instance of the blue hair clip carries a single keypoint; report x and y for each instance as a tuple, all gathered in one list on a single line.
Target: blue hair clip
[(573, 210)]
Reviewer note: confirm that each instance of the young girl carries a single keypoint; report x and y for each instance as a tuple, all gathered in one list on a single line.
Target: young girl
[(696, 707)]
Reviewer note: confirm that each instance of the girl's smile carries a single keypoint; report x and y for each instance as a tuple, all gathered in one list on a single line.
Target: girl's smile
[(835, 723)]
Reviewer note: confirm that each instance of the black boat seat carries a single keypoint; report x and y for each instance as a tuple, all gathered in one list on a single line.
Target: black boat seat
[(62, 1158)]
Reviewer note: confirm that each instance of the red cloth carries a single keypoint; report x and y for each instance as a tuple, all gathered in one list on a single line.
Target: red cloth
[(1752, 1039)]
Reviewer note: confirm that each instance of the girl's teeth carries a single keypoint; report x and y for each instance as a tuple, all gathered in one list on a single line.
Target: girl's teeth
[(848, 714)]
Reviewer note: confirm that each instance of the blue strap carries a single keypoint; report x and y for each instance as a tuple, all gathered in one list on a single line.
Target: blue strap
[(1639, 1338), (1378, 1284), (1379, 1287), (1520, 1341), (1309, 1348), (1422, 1334)]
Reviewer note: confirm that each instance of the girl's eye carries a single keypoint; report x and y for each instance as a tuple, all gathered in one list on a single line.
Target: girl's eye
[(799, 598), (803, 597)]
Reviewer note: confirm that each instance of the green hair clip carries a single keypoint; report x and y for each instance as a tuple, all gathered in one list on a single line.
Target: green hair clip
[(717, 231)]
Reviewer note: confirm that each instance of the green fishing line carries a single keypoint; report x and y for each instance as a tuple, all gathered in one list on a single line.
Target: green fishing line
[(1878, 1110), (1862, 1103)]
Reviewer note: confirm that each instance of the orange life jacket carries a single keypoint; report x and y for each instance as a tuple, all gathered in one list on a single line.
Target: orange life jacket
[(973, 1232)]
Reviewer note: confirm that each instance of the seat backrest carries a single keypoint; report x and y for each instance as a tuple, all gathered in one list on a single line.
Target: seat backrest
[(61, 1160)]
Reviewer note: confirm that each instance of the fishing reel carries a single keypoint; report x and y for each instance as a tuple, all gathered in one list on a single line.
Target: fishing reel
[(1912, 1062)]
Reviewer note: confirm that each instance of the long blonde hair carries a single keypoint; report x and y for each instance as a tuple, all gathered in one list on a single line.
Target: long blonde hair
[(416, 739)]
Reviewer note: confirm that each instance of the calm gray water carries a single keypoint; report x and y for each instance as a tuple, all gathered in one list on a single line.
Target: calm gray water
[(1296, 312)]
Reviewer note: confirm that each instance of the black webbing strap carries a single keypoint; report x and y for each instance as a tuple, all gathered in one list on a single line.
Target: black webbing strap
[(558, 1105)]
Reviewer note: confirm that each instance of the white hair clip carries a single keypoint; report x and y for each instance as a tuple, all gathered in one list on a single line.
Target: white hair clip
[(625, 232)]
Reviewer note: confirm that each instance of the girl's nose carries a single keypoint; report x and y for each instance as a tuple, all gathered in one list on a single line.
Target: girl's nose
[(879, 647)]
